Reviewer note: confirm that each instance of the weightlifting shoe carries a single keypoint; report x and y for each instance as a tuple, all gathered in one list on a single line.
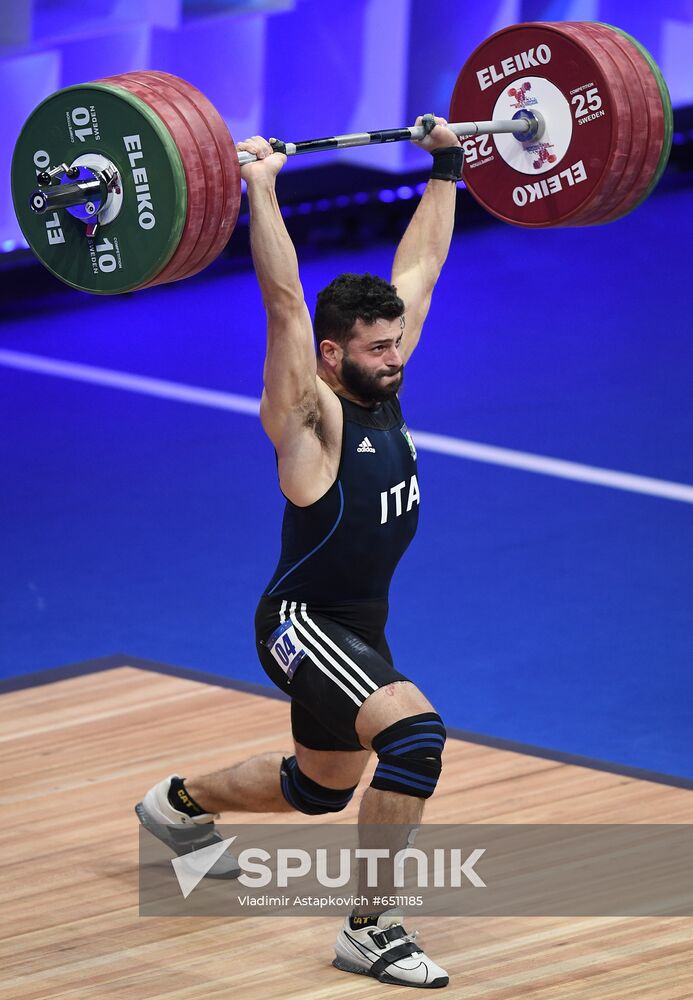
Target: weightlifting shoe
[(181, 833), (388, 953)]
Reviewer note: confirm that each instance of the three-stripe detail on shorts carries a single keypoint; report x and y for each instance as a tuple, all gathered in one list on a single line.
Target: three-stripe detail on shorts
[(327, 655)]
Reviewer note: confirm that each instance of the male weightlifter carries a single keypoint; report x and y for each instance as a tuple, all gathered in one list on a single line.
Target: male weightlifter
[(347, 467)]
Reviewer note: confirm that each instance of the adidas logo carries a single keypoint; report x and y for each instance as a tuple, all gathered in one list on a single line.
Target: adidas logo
[(366, 446)]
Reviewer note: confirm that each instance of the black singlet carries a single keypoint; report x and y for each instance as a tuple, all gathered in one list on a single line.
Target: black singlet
[(344, 548)]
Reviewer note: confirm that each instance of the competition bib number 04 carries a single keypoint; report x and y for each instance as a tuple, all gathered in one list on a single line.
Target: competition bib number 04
[(286, 648)]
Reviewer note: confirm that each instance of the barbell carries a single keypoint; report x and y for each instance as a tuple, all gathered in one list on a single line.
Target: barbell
[(134, 180)]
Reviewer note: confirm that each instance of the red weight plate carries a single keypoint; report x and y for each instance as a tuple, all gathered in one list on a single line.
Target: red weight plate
[(651, 126), (617, 183), (230, 172), (640, 129), (664, 101), (549, 182), (210, 170), (192, 164)]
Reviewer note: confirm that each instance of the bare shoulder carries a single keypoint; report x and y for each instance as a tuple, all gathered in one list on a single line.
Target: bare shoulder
[(308, 443)]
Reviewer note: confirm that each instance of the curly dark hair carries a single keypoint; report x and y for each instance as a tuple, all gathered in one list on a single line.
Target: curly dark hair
[(351, 297)]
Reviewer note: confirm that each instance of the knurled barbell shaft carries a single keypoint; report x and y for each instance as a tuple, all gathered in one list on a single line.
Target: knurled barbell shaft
[(519, 126)]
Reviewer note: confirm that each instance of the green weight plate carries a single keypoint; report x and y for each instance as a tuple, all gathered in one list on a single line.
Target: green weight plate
[(132, 249), (666, 106)]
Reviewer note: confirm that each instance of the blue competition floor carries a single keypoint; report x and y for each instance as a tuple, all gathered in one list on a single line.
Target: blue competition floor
[(530, 607)]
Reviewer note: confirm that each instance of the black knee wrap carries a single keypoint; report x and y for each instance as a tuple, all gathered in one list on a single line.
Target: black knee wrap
[(307, 795), (409, 755)]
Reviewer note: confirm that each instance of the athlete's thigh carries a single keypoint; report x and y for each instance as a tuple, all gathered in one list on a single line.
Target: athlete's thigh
[(336, 672)]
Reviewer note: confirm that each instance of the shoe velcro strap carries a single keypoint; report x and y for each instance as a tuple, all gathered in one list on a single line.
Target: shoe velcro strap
[(394, 955), (393, 933)]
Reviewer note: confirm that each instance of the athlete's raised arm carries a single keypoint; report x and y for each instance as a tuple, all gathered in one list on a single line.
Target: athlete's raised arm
[(290, 366), (297, 410), (423, 249)]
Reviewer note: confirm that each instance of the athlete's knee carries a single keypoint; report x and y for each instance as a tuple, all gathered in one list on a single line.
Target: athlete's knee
[(307, 795), (410, 755)]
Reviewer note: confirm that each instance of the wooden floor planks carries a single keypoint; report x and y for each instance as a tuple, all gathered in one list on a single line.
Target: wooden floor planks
[(75, 756)]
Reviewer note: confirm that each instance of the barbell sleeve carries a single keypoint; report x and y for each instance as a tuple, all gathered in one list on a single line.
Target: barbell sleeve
[(45, 199), (521, 127)]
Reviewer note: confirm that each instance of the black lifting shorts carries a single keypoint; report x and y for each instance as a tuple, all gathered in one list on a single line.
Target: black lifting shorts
[(328, 661)]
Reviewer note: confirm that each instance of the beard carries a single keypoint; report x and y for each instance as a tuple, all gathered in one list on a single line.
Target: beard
[(371, 387)]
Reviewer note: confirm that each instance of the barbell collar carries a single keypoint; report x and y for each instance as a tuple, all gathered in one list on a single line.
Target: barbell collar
[(523, 128)]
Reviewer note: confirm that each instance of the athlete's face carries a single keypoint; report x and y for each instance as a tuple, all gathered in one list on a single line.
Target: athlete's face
[(372, 368)]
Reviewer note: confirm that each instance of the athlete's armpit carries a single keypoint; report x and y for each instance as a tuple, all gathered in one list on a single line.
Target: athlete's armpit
[(312, 417)]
